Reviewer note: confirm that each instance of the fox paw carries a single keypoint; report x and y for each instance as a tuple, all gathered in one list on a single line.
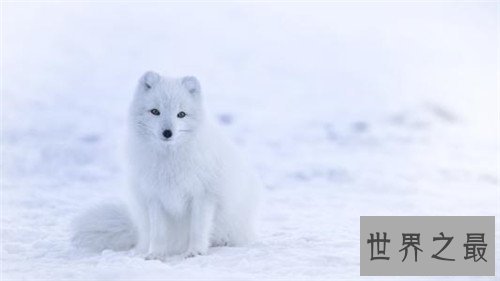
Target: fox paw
[(219, 243), (155, 256), (193, 253)]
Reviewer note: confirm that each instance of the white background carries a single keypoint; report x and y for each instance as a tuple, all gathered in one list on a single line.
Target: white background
[(345, 109)]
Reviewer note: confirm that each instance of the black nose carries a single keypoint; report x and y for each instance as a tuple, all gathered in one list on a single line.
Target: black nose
[(167, 133)]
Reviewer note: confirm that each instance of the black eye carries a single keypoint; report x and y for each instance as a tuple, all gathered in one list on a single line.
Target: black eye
[(155, 111), (181, 114)]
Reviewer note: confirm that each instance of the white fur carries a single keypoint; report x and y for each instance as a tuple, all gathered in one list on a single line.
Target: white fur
[(103, 227), (192, 190)]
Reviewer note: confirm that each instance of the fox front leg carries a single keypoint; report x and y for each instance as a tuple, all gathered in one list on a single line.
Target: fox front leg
[(157, 232), (201, 225)]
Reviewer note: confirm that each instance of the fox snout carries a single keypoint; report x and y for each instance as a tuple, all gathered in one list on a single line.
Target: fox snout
[(167, 134)]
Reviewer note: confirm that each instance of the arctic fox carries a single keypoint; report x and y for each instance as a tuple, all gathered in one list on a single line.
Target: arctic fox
[(189, 188)]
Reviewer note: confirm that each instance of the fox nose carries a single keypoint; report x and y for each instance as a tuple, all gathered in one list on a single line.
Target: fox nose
[(167, 133)]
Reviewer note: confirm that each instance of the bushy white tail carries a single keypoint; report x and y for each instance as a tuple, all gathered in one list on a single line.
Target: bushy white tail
[(103, 227)]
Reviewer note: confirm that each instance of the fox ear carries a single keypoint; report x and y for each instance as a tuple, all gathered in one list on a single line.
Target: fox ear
[(192, 84), (149, 79)]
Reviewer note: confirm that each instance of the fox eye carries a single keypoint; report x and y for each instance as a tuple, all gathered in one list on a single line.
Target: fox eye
[(155, 111), (181, 114)]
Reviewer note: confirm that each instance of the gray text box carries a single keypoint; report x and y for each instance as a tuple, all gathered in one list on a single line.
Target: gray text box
[(467, 233)]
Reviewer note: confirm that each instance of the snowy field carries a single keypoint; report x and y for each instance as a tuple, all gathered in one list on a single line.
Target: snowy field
[(344, 109)]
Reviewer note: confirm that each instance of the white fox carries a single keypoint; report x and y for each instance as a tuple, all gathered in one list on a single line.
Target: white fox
[(190, 190)]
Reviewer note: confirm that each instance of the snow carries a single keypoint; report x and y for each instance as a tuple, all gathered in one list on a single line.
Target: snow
[(345, 109)]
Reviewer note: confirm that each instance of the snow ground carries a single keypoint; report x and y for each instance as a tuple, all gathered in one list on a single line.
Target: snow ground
[(345, 110)]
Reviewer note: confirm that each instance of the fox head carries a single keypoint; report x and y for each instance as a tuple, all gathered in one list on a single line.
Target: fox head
[(166, 110)]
